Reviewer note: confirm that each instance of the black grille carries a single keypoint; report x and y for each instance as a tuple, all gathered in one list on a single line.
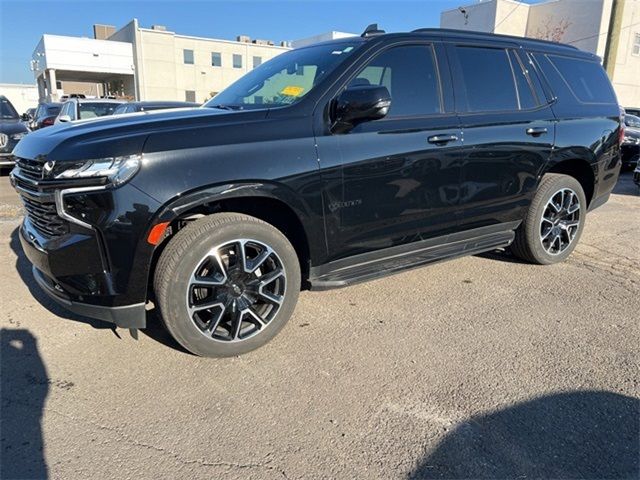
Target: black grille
[(38, 203), (44, 218), (31, 169)]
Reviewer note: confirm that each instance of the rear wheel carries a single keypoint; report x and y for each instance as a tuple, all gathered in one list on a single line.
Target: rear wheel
[(554, 221), (227, 284)]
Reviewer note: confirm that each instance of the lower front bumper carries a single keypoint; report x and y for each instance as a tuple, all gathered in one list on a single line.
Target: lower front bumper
[(127, 316)]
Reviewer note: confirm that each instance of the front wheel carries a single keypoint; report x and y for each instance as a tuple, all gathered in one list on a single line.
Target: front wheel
[(226, 284), (554, 222)]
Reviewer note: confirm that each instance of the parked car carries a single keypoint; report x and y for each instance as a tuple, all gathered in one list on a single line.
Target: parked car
[(636, 174), (630, 148), (64, 98), (29, 114), (82, 109), (633, 111), (45, 115), (132, 107), (329, 165), (12, 130)]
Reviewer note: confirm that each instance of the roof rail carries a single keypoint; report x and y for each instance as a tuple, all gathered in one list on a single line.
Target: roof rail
[(372, 30), (484, 34)]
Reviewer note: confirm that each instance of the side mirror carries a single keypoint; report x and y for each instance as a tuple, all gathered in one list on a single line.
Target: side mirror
[(359, 104), (64, 118)]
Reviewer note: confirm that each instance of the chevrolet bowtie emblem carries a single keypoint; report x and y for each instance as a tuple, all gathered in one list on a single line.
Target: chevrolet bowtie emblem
[(48, 169)]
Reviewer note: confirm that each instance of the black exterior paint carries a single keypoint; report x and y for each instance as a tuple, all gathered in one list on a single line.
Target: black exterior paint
[(382, 185)]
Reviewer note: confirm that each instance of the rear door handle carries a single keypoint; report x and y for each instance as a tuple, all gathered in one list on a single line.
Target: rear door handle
[(442, 138), (535, 131)]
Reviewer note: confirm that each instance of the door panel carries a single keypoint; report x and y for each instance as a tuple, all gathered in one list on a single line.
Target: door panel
[(387, 184), (508, 133)]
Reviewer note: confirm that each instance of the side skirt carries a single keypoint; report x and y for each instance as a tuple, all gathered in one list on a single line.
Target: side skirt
[(380, 263)]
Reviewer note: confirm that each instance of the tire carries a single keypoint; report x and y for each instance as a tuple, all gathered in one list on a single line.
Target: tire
[(529, 244), (204, 290)]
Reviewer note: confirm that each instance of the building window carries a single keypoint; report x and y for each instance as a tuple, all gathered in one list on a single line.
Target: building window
[(216, 59), (237, 61), (190, 95), (187, 56), (58, 85), (257, 61), (636, 44)]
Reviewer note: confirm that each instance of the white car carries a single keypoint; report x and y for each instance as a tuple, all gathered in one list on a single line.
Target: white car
[(83, 108)]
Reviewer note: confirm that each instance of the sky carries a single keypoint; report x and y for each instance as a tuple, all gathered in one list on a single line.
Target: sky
[(22, 22)]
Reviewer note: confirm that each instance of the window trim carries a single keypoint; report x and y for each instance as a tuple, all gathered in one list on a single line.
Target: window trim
[(220, 56), (193, 56), (525, 71), (428, 44), (635, 43)]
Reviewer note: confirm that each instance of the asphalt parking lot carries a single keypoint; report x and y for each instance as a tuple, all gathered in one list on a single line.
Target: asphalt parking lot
[(483, 367)]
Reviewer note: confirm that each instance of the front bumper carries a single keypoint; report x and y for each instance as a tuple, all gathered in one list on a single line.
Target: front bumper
[(127, 316)]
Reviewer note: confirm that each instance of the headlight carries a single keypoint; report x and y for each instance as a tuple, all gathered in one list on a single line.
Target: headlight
[(18, 136), (116, 169)]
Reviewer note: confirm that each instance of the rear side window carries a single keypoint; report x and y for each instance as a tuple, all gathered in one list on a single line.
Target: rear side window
[(488, 79), (587, 80), (409, 73)]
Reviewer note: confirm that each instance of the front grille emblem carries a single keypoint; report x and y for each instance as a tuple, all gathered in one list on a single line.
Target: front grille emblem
[(4, 139), (47, 170)]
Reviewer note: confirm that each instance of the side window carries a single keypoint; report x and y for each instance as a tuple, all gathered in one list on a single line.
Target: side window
[(410, 74), (526, 96), (488, 79), (586, 79)]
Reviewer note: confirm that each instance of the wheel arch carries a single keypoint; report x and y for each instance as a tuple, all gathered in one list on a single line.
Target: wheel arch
[(271, 203), (578, 168)]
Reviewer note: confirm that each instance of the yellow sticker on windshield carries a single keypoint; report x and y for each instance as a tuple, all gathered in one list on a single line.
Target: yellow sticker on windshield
[(292, 91)]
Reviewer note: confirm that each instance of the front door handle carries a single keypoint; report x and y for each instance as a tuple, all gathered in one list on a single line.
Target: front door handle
[(442, 138), (536, 131)]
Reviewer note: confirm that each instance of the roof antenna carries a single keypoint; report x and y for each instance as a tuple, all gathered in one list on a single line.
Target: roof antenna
[(372, 30)]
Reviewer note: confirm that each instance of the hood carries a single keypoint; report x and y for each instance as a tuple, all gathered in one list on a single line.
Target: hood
[(11, 126), (119, 134)]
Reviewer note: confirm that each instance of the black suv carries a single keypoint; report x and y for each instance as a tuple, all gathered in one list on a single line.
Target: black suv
[(328, 165)]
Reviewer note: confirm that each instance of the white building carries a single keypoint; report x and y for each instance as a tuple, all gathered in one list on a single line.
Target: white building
[(21, 96), (145, 63), (581, 23), (323, 37)]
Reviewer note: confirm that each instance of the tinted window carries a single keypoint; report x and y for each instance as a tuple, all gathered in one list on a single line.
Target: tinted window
[(7, 110), (187, 56), (51, 111), (216, 59), (488, 79), (587, 80), (410, 75), (526, 96)]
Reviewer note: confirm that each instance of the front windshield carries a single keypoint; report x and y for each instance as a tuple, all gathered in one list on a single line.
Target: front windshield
[(284, 79), (6, 109)]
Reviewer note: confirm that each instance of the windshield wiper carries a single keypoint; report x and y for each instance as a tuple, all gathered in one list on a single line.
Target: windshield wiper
[(226, 107)]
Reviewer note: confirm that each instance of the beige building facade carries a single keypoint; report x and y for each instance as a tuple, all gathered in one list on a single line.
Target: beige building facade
[(146, 63), (581, 23)]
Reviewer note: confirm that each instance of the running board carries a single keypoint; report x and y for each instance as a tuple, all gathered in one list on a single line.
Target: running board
[(370, 266)]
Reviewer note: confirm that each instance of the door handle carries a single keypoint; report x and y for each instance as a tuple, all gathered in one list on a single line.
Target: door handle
[(535, 131), (442, 138)]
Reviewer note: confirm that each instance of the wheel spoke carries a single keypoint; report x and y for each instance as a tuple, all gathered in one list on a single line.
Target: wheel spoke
[(250, 312), (206, 306), (572, 223), (546, 235), (236, 323), (573, 208), (253, 264), (209, 281), (213, 324)]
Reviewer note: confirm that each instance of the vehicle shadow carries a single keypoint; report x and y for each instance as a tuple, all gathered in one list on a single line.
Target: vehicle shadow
[(24, 385), (582, 434), (156, 331), (625, 185)]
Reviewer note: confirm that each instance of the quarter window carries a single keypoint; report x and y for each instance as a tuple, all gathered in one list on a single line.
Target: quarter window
[(488, 79), (187, 56), (216, 59), (587, 79), (410, 75), (190, 95), (237, 61)]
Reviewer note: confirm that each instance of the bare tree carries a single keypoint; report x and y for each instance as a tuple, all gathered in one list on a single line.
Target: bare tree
[(550, 30)]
